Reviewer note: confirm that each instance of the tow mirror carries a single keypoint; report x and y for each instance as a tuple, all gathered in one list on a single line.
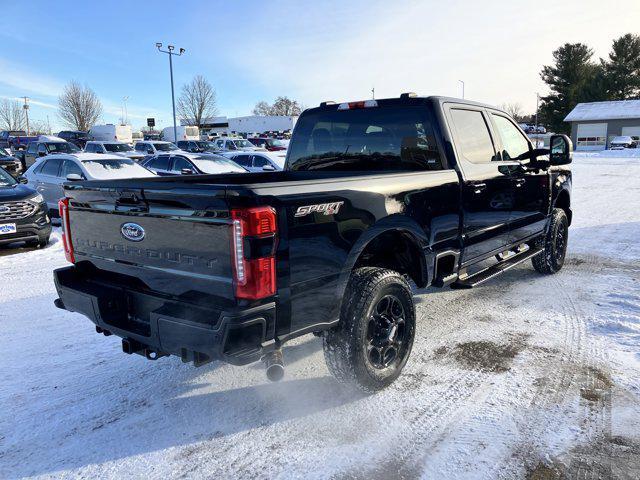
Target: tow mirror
[(269, 168), (561, 150), (74, 177)]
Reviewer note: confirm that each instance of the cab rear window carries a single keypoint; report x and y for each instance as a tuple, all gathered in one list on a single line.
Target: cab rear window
[(366, 139)]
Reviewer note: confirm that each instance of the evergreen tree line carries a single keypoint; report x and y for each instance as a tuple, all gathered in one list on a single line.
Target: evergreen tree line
[(575, 77)]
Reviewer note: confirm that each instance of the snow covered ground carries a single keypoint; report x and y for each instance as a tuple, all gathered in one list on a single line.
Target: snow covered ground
[(526, 375)]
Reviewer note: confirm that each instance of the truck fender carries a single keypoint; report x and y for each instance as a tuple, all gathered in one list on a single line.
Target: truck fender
[(400, 224)]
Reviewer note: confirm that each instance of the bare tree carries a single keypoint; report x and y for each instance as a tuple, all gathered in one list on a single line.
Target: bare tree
[(39, 127), (79, 107), (197, 101), (513, 109), (282, 106), (12, 115)]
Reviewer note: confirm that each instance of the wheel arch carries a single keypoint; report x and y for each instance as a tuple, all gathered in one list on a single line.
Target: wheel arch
[(563, 201)]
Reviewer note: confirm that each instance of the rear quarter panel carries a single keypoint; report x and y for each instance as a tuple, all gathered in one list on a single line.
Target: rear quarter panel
[(316, 252)]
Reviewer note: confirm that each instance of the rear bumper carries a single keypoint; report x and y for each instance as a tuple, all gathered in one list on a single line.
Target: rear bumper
[(153, 324)]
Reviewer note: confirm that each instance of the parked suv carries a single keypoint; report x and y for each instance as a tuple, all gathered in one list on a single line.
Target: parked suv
[(46, 145), (11, 164), (153, 147), (23, 213), (184, 163), (257, 161), (48, 174), (197, 146), (232, 144), (78, 138), (271, 144), (115, 148), (441, 191)]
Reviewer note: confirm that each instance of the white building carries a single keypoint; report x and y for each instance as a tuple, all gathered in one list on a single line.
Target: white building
[(248, 124)]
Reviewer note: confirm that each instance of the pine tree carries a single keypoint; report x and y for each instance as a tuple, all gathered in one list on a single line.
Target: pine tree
[(622, 69), (572, 79)]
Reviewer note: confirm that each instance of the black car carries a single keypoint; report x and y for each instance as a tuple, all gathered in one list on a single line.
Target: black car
[(78, 138), (23, 213), (10, 163)]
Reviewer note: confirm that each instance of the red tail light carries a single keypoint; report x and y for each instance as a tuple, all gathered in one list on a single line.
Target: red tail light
[(254, 273), (63, 209)]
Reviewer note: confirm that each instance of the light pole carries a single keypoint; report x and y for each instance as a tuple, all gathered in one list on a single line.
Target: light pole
[(126, 115), (462, 82), (169, 51), (26, 112)]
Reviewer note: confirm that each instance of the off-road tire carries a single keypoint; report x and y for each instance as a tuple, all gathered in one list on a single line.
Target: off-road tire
[(347, 346), (554, 244)]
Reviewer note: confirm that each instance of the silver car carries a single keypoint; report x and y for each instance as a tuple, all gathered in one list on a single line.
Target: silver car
[(120, 149), (258, 161), (49, 173)]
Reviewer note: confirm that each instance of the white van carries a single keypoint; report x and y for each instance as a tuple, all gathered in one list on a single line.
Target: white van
[(183, 132), (110, 133)]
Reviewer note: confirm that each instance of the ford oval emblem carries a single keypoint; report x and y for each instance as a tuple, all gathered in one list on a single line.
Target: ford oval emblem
[(132, 231)]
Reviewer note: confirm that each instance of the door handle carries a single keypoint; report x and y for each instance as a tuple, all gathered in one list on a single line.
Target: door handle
[(479, 187), (519, 182)]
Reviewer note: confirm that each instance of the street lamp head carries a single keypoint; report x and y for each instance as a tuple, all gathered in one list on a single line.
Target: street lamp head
[(182, 50), (170, 47), (158, 45)]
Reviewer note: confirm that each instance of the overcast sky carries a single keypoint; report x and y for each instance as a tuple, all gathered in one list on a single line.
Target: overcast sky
[(310, 51)]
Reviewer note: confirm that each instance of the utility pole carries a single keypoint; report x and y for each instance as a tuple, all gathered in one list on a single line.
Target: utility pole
[(48, 126), (462, 82), (169, 51), (537, 106), (26, 112)]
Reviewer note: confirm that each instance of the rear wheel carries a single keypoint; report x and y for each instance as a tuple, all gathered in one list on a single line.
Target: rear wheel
[(372, 344), (554, 244)]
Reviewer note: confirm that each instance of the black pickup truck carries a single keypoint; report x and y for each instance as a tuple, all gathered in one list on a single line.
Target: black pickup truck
[(375, 195)]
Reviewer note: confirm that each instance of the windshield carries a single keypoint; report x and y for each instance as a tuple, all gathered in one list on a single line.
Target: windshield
[(365, 139), (216, 165), (165, 147), (117, 147), (61, 147), (112, 168), (274, 142), (243, 143), (6, 180)]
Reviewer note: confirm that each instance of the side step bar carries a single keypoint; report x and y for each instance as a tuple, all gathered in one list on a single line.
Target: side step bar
[(482, 276)]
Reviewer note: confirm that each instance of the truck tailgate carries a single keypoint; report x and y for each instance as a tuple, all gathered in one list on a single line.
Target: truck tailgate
[(177, 243)]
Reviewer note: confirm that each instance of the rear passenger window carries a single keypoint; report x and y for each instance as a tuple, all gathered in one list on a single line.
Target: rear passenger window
[(244, 160), (160, 163), (52, 167), (472, 136), (70, 167), (260, 161), (514, 145)]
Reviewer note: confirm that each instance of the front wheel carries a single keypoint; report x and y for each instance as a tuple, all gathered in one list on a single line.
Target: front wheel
[(554, 244), (371, 346)]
